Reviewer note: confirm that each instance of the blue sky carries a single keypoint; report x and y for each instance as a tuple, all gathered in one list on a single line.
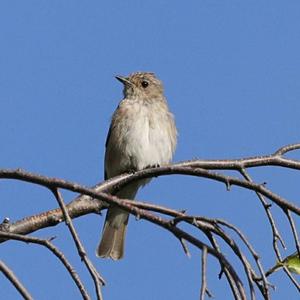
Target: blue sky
[(231, 76)]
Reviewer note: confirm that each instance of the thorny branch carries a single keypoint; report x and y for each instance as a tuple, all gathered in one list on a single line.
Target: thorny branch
[(170, 219)]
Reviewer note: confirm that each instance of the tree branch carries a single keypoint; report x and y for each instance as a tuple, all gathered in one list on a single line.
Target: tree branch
[(94, 200), (98, 280), (55, 251), (9, 274)]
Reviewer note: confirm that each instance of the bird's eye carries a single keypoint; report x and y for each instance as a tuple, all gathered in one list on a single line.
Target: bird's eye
[(145, 84)]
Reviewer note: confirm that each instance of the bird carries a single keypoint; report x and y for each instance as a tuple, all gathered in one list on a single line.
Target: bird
[(142, 134)]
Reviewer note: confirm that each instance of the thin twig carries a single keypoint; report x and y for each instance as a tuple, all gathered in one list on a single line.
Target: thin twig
[(98, 280), (232, 283), (204, 289), (275, 232), (287, 148), (211, 226), (254, 255), (185, 248), (55, 251), (296, 239), (294, 281), (294, 230), (199, 168), (9, 274)]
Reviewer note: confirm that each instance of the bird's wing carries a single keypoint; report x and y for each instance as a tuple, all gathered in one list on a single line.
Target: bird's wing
[(106, 144)]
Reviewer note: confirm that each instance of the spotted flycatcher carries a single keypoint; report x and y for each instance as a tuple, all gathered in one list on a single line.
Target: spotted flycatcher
[(142, 134)]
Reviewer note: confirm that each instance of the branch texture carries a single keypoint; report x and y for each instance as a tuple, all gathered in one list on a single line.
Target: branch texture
[(99, 197)]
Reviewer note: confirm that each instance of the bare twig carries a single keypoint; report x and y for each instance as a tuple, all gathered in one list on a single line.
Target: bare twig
[(296, 239), (294, 281), (98, 280), (9, 274), (55, 251), (204, 289), (185, 248), (294, 230), (275, 232), (265, 287), (233, 286), (287, 148), (211, 227)]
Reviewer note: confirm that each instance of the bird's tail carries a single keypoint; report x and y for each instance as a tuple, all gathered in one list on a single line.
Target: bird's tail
[(114, 230), (113, 237)]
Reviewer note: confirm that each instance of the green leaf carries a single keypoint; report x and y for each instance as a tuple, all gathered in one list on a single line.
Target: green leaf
[(292, 262)]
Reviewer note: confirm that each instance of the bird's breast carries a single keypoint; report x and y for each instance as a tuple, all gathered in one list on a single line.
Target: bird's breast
[(148, 139)]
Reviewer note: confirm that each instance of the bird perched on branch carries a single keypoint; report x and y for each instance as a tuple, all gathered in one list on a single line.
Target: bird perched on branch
[(142, 134)]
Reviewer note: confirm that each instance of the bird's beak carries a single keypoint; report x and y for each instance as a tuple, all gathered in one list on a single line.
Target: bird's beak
[(123, 79)]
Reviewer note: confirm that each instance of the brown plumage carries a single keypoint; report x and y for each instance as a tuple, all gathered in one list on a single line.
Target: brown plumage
[(142, 134)]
